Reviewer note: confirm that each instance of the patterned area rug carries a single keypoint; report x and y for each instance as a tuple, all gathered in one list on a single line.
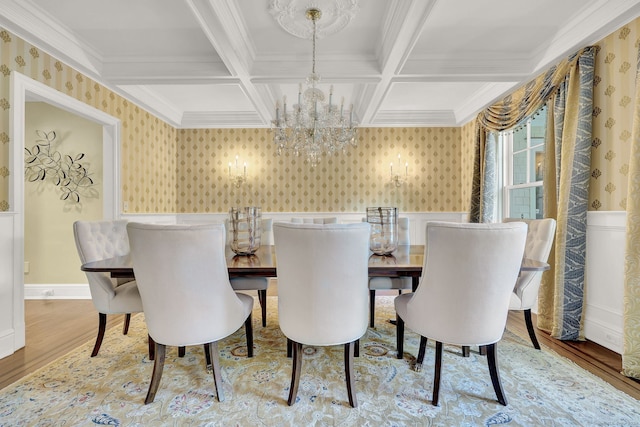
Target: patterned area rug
[(543, 389)]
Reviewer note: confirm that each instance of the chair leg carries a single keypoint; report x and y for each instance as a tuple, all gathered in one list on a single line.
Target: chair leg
[(532, 332), (348, 370), (102, 326), (152, 347), (289, 347), (295, 373), (215, 365), (207, 356), (262, 297), (182, 351), (466, 351), (127, 321), (372, 308), (492, 360), (399, 336), (356, 348), (158, 366), (248, 327), (436, 377), (421, 351)]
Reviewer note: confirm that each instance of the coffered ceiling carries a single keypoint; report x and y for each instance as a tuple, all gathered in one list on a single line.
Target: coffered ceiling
[(225, 63)]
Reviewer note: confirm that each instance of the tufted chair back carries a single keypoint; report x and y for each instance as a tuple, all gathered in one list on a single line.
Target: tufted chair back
[(96, 240), (540, 236)]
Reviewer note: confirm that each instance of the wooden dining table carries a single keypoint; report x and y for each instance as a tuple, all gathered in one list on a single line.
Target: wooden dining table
[(405, 261)]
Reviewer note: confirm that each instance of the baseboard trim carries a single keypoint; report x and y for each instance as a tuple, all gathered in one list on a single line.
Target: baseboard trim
[(57, 291)]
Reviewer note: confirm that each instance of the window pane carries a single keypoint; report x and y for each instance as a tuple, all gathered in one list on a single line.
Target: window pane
[(519, 168), (525, 203), (537, 163), (520, 138)]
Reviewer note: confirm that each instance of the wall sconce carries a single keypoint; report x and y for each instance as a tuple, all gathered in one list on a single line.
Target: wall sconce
[(236, 175), (397, 178)]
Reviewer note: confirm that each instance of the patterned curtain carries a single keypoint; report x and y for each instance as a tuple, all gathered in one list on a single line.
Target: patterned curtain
[(506, 114), (569, 151), (485, 178), (567, 88), (631, 314)]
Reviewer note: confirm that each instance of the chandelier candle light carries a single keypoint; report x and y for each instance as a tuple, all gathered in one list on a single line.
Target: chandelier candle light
[(396, 178), (313, 129), (237, 176)]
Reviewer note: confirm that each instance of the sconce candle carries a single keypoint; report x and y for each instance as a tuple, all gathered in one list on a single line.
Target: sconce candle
[(397, 178), (236, 176)]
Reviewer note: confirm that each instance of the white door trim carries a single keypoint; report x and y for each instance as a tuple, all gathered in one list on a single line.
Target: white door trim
[(25, 89)]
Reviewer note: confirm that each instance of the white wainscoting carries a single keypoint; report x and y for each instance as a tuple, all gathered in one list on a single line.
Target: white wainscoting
[(606, 234)]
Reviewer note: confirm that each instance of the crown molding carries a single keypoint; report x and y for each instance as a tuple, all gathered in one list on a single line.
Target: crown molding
[(226, 119), (413, 118)]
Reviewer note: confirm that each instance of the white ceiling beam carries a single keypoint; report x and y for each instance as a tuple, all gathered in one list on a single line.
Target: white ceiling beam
[(223, 25), (406, 23)]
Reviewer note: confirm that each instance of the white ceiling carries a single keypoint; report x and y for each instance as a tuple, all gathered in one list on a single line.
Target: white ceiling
[(224, 63)]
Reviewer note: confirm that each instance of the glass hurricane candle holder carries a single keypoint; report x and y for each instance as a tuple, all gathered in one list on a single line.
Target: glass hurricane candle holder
[(245, 229), (384, 229)]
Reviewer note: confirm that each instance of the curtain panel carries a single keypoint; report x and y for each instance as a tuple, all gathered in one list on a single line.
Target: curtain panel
[(506, 114), (572, 111), (567, 88), (631, 302)]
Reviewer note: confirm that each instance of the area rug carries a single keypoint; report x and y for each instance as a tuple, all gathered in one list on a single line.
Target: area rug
[(543, 389)]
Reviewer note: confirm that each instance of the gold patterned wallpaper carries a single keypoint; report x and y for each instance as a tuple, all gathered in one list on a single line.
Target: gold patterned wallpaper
[(345, 183), (615, 70), (168, 170)]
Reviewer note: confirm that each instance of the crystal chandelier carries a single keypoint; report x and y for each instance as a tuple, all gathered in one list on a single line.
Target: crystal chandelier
[(313, 128)]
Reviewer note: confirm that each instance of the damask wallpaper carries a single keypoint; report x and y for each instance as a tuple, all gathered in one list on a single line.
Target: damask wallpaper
[(168, 170), (348, 182), (613, 117), (148, 144)]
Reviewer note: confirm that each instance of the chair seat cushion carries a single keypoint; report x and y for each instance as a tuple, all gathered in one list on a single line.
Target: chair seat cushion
[(126, 299), (376, 283), (249, 283), (515, 303)]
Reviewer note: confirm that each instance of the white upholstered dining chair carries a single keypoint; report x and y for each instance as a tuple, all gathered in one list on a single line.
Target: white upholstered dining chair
[(315, 220), (182, 275), (384, 283), (98, 240), (463, 297), (540, 237), (322, 290), (259, 284)]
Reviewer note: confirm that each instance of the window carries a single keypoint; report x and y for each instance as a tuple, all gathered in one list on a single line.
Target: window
[(523, 167)]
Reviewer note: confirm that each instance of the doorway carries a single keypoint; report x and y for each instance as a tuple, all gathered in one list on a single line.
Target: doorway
[(25, 89)]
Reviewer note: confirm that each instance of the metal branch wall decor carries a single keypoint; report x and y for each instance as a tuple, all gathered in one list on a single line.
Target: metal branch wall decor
[(44, 163)]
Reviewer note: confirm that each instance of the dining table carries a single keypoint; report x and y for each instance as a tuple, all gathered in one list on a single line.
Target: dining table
[(405, 261)]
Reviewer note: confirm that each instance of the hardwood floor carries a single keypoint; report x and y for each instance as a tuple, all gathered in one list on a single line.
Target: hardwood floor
[(55, 327)]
